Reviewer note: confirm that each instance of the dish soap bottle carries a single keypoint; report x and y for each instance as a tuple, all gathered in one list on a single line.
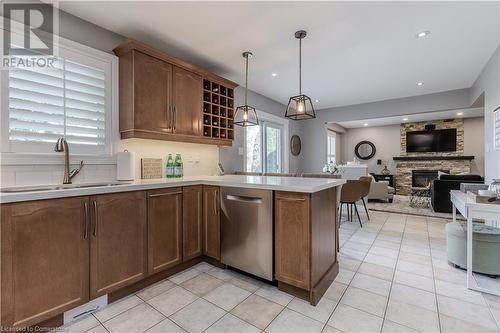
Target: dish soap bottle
[(170, 166), (178, 166)]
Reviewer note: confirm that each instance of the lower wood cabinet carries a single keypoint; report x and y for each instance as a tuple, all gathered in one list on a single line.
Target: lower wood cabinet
[(118, 246), (192, 199), (164, 229), (292, 238), (211, 221), (44, 259)]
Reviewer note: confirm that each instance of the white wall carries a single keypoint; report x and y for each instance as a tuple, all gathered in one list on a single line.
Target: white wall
[(387, 142), (488, 85)]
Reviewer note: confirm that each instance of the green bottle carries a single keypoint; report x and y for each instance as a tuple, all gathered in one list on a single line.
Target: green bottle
[(178, 166), (170, 167)]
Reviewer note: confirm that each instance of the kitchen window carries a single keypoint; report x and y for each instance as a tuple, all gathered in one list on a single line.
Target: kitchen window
[(331, 138), (265, 146), (74, 99)]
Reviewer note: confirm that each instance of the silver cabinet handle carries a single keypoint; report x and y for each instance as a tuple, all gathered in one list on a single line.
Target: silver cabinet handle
[(243, 199), (163, 194), (215, 202), (86, 222), (96, 218), (175, 118), (293, 199)]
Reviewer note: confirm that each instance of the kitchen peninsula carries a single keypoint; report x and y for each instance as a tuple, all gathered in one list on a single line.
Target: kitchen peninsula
[(113, 239)]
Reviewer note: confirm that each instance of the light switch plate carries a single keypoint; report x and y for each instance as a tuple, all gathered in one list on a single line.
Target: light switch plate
[(240, 151)]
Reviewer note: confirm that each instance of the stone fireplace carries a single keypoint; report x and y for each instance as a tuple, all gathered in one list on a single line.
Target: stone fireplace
[(418, 169)]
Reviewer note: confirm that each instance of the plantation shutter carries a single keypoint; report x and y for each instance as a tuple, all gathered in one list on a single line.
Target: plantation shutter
[(66, 101), (496, 130)]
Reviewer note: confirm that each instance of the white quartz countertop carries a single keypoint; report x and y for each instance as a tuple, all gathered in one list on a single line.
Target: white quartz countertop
[(291, 184)]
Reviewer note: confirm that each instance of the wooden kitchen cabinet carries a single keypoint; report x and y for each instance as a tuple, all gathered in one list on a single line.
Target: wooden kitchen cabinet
[(44, 259), (192, 202), (118, 246), (164, 229), (162, 98), (211, 221)]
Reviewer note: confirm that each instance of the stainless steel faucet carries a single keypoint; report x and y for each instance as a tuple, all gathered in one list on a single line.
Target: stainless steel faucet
[(62, 146)]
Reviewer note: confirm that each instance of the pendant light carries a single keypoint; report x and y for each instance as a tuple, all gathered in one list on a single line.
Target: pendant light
[(245, 115), (300, 107)]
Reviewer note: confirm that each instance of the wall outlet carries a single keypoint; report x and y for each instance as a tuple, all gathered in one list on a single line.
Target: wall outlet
[(240, 151)]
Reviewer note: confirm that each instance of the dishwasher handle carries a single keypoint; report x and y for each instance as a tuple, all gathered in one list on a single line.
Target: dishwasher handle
[(243, 199)]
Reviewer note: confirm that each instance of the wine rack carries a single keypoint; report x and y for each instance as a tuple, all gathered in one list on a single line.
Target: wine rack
[(218, 110)]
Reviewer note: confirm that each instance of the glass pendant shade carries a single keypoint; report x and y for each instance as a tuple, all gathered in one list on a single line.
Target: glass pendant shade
[(300, 107), (246, 115)]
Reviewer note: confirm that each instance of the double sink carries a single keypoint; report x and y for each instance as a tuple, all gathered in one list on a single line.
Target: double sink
[(58, 187)]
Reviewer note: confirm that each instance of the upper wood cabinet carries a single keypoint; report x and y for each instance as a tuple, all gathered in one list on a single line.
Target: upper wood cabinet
[(44, 259), (161, 97), (211, 222), (164, 229), (192, 200), (118, 241)]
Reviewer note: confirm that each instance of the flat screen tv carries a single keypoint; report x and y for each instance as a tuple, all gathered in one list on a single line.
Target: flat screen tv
[(442, 140)]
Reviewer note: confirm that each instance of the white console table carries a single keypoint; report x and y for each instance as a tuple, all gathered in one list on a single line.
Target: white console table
[(472, 210)]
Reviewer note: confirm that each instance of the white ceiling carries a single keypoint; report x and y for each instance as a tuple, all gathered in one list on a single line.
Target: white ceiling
[(427, 116), (355, 52)]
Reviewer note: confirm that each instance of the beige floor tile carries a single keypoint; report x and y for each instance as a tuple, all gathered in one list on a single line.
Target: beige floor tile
[(454, 325), (460, 292), (172, 300), (450, 274), (352, 253), (165, 326), (371, 283), (348, 263), (155, 290), (257, 310), (378, 260), (472, 313), (351, 320), (117, 307), (375, 270), (274, 294), (81, 325), (344, 276), (413, 296), (419, 269), (203, 266), (231, 324), (384, 252), (392, 327), (227, 296), (201, 284), (320, 312), (414, 280), (97, 329), (415, 258), (197, 316), (387, 244), (329, 329), (364, 300), (411, 316), (289, 321), (184, 275), (246, 282), (135, 320), (335, 291), (222, 274)]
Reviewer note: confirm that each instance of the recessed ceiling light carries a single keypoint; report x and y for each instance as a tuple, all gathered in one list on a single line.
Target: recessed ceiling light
[(317, 100), (274, 74), (460, 113), (365, 124), (423, 34), (420, 84), (405, 119)]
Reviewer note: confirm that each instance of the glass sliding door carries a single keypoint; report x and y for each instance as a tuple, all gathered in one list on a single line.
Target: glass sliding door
[(264, 147)]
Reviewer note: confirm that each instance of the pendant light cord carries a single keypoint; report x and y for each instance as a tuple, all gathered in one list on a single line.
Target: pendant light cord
[(300, 66), (246, 80)]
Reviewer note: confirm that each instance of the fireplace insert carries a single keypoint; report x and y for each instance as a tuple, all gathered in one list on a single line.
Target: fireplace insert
[(423, 178)]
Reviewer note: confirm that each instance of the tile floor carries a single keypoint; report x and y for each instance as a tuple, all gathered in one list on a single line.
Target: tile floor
[(393, 277)]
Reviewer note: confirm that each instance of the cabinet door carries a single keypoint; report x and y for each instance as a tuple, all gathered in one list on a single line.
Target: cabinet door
[(118, 241), (187, 101), (152, 86), (45, 259), (164, 229), (292, 238), (192, 219), (211, 222)]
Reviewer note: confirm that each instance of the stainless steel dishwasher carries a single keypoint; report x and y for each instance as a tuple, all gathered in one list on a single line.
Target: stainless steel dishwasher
[(247, 230)]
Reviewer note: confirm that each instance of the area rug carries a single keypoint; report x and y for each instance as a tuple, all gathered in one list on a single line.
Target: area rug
[(401, 204)]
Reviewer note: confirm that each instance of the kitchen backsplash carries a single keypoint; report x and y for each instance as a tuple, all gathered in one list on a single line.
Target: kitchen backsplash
[(199, 160)]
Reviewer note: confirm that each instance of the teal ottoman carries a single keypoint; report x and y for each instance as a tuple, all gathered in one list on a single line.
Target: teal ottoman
[(485, 247)]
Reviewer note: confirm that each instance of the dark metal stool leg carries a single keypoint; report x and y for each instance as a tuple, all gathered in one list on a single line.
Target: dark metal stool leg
[(356, 209), (366, 210)]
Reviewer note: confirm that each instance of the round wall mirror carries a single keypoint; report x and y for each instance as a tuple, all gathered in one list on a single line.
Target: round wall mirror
[(295, 145), (365, 150)]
